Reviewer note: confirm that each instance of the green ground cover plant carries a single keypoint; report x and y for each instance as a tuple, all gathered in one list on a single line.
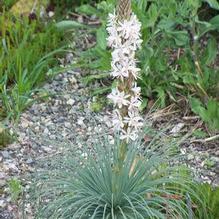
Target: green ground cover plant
[(27, 54), (179, 54)]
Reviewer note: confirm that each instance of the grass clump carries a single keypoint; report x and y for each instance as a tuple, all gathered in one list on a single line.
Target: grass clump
[(27, 54), (146, 184)]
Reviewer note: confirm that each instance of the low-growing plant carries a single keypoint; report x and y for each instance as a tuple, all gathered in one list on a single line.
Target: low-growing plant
[(15, 188), (208, 113), (95, 184), (5, 136)]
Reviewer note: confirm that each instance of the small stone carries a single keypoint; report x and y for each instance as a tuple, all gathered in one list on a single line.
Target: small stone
[(183, 151), (2, 183), (12, 167), (216, 182), (37, 128), (177, 128), (46, 131), (29, 161), (217, 153), (47, 149), (2, 203), (69, 57), (73, 80), (215, 159), (81, 121), (191, 157), (216, 170), (24, 124), (70, 102), (52, 137), (5, 154), (67, 124)]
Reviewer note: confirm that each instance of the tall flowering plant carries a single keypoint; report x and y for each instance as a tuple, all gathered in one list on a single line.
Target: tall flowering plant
[(115, 176), (124, 39)]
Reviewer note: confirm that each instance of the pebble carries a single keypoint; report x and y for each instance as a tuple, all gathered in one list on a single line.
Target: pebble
[(5, 154), (2, 183), (46, 131), (191, 157), (30, 161), (70, 102)]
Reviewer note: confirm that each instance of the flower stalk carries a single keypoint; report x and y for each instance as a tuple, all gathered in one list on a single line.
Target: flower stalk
[(124, 39)]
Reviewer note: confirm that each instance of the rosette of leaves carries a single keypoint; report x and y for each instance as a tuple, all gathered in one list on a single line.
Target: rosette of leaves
[(147, 184)]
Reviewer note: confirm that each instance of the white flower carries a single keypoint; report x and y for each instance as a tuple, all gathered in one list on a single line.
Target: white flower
[(112, 19), (129, 135), (117, 121), (122, 53), (133, 120), (134, 103), (51, 13), (113, 39), (119, 98), (134, 71), (118, 72), (136, 89), (130, 28), (124, 67), (134, 45), (125, 38)]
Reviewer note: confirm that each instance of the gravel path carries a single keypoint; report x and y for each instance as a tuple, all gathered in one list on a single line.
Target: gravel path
[(67, 114)]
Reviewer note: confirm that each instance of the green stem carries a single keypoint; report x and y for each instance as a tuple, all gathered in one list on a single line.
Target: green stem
[(122, 152)]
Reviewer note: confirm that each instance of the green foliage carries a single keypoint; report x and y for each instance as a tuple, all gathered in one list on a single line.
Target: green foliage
[(25, 59), (68, 25), (174, 60), (98, 57), (96, 184), (97, 104), (15, 188), (5, 136), (68, 5), (208, 113), (7, 4), (199, 133), (210, 197)]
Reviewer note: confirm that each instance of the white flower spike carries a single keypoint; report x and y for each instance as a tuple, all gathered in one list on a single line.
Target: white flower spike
[(124, 39)]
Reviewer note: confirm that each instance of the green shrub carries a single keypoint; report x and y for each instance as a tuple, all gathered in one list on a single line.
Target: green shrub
[(96, 184)]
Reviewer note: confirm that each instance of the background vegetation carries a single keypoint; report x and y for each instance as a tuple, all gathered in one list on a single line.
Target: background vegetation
[(179, 58), (27, 54)]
